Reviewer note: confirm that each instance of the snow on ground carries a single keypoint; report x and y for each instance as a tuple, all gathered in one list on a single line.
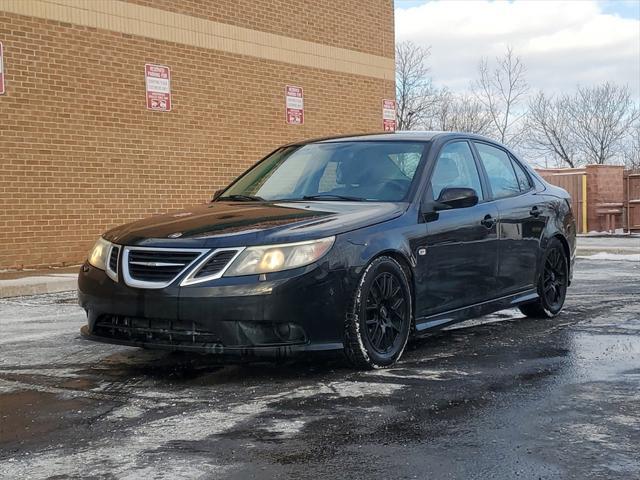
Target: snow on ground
[(619, 257)]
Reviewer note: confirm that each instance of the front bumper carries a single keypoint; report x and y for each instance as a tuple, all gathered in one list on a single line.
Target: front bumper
[(297, 311)]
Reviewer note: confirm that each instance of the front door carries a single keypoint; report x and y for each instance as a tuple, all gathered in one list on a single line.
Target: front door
[(458, 256)]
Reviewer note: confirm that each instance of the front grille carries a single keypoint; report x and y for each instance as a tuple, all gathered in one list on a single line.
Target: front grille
[(112, 263), (153, 331), (113, 259), (208, 335), (155, 268), (216, 263)]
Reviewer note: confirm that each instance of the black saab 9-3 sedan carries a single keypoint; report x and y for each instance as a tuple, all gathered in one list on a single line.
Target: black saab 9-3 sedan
[(350, 244)]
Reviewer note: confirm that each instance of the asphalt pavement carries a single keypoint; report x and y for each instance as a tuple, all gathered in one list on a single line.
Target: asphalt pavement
[(500, 397)]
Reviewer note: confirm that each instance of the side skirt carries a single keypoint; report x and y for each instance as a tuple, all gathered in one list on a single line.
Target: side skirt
[(444, 319)]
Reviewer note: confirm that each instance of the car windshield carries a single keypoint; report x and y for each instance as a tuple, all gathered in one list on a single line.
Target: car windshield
[(349, 171)]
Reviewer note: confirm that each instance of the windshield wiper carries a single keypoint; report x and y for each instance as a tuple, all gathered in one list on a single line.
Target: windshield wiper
[(330, 196), (242, 198)]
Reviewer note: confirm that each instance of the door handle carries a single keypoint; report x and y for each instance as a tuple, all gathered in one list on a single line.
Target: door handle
[(535, 211), (488, 221)]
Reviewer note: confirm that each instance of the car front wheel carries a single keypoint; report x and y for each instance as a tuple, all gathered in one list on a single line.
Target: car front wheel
[(552, 284), (378, 323)]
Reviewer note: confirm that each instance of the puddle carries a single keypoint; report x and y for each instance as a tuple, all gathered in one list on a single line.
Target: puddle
[(30, 415)]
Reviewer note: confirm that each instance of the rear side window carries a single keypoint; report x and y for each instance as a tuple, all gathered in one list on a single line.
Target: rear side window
[(502, 176), (454, 168), (523, 179)]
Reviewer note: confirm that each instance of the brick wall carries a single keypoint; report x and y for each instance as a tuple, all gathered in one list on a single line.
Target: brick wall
[(80, 153), (604, 185), (354, 24)]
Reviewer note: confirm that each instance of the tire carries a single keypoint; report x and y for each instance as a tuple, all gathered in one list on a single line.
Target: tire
[(379, 319), (552, 283)]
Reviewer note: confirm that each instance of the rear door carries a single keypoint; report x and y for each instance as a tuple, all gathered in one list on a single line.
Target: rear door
[(457, 259), (522, 218)]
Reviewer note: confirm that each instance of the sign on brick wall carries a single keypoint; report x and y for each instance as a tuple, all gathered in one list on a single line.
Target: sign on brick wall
[(389, 115), (294, 104), (158, 83), (1, 69)]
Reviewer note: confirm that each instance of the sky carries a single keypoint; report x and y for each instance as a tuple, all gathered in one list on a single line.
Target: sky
[(562, 43)]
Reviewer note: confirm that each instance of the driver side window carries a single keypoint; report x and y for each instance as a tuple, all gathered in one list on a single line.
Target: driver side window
[(455, 167)]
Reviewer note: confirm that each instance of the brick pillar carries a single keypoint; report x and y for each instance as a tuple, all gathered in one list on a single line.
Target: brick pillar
[(604, 185)]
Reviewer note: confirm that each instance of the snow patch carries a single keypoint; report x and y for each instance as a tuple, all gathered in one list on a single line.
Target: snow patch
[(616, 257), (286, 428), (344, 389), (421, 374)]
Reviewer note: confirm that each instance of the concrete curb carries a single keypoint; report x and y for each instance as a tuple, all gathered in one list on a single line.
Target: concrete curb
[(616, 251), (608, 235), (39, 284)]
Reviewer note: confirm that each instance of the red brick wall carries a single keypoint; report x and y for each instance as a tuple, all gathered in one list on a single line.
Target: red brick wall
[(604, 185), (80, 153)]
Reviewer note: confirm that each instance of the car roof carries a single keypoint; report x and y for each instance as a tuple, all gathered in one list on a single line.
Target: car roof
[(414, 135)]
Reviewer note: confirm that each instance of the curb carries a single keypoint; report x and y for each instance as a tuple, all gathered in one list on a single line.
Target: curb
[(37, 285), (608, 235), (617, 251)]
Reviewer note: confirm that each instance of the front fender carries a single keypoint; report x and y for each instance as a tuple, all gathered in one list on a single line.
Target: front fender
[(356, 249)]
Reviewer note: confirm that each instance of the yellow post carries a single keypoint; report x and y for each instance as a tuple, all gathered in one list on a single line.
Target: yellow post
[(584, 204)]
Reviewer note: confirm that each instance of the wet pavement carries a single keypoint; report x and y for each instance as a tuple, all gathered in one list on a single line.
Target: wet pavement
[(500, 397)]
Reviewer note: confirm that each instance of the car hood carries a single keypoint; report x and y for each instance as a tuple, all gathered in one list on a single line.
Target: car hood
[(223, 224)]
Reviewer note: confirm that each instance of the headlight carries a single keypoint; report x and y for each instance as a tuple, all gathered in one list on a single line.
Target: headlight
[(274, 258), (99, 252)]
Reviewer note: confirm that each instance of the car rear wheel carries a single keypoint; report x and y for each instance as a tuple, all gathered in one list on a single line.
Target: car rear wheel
[(552, 284), (377, 326)]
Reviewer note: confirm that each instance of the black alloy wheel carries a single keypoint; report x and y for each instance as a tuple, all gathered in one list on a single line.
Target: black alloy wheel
[(552, 284), (385, 312), (377, 329)]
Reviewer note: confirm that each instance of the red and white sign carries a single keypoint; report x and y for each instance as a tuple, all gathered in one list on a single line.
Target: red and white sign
[(1, 69), (294, 104), (389, 115), (158, 82)]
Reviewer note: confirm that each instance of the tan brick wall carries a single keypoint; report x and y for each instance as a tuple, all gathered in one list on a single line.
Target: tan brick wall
[(79, 153), (361, 25)]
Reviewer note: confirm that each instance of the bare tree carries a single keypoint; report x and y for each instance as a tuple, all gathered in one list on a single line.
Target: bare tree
[(459, 112), (602, 117), (631, 152), (501, 90), (414, 91), (549, 128)]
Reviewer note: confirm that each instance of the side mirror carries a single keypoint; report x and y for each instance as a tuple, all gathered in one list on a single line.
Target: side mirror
[(456, 198), (216, 194)]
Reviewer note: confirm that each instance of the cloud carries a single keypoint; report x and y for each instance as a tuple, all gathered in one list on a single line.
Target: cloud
[(562, 43)]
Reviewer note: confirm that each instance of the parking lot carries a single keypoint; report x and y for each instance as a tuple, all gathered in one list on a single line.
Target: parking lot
[(498, 397)]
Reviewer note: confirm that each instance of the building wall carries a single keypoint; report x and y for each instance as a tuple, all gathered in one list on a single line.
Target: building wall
[(361, 25), (605, 185), (80, 153)]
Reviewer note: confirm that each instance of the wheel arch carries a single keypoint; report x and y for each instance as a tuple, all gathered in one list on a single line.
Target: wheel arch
[(567, 252)]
